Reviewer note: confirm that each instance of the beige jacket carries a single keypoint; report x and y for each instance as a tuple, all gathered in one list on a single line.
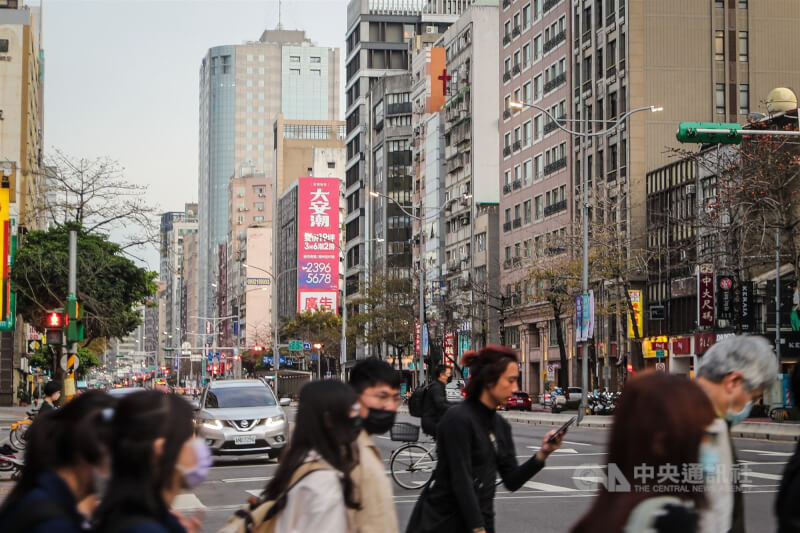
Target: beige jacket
[(373, 490)]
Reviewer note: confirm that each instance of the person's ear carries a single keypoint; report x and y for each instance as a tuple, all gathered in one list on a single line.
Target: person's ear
[(732, 381), (158, 446)]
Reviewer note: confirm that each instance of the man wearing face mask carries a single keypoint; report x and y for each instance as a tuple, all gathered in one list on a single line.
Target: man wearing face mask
[(733, 373), (378, 387), (436, 404)]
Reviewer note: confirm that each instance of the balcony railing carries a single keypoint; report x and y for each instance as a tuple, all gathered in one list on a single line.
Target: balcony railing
[(557, 207), (550, 127), (506, 151), (555, 166), (517, 146), (548, 4), (507, 114), (611, 71), (555, 82), (515, 69), (517, 223), (516, 31), (587, 36), (555, 41), (506, 188), (506, 226), (517, 184), (506, 38), (398, 109), (506, 3), (506, 75)]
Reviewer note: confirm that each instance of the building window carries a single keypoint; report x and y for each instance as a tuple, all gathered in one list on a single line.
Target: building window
[(526, 133), (537, 88), (537, 128), (526, 17), (719, 45), (538, 208), (537, 47), (315, 59), (526, 56), (526, 92), (719, 3), (294, 71), (527, 172), (316, 72), (331, 164), (743, 46), (538, 168), (744, 99), (294, 59), (742, 4), (720, 98), (527, 211), (480, 242)]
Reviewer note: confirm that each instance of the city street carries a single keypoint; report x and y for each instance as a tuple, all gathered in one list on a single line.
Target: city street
[(551, 502)]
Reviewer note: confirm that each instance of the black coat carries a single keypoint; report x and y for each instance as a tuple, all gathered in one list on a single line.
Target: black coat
[(434, 406), (786, 506), (473, 444)]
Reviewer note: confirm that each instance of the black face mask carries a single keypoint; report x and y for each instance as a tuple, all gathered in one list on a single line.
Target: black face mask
[(379, 421)]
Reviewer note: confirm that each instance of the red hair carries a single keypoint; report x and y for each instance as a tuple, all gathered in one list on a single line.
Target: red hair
[(661, 420), (485, 367)]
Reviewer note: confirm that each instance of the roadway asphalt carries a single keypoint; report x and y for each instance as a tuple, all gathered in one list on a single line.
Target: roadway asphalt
[(551, 502)]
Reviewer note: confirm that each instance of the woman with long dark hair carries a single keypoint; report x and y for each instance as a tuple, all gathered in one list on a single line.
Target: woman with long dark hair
[(66, 461), (474, 444), (660, 422), (155, 456), (325, 431)]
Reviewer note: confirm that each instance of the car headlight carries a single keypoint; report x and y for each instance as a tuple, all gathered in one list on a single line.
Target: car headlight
[(213, 424), (280, 419)]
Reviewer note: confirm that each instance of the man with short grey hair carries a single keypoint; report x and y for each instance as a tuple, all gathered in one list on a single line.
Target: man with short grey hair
[(733, 373)]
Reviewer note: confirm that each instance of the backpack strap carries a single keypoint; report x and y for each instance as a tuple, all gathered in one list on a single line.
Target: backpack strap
[(38, 512)]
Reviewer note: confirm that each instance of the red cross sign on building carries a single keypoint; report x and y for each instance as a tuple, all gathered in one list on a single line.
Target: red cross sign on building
[(444, 78)]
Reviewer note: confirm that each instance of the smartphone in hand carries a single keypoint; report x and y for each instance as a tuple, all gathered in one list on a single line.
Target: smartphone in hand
[(560, 430)]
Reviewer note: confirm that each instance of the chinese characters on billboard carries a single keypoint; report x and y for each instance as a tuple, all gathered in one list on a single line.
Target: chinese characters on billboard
[(318, 244), (705, 295)]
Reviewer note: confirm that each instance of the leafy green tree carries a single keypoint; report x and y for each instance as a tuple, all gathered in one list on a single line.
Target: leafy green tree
[(317, 327), (44, 358), (110, 285)]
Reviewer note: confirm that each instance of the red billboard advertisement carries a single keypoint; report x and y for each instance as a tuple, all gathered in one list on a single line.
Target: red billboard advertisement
[(318, 244)]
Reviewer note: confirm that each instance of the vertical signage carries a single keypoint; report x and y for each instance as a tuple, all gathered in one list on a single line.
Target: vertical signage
[(418, 337), (705, 295), (591, 314), (725, 290), (636, 303), (318, 244), (450, 345), (579, 318), (746, 322)]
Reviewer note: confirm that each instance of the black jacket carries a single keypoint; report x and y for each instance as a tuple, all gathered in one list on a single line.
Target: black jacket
[(434, 407), (788, 496), (474, 444)]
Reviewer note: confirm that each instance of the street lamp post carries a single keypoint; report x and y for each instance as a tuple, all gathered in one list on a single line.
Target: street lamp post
[(586, 134), (422, 220)]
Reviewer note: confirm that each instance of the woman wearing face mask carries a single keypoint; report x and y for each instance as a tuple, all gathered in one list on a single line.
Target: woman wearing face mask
[(155, 456), (661, 423), (66, 461), (474, 444), (326, 428)]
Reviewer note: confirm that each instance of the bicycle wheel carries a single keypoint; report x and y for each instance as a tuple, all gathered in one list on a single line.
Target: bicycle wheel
[(17, 436), (412, 466)]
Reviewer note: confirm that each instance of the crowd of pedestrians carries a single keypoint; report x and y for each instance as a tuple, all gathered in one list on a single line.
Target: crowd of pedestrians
[(100, 464)]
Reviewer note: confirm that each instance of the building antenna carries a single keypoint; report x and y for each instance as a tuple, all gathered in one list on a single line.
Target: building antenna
[(280, 5)]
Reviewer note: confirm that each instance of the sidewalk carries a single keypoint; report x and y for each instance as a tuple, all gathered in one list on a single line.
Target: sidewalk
[(12, 414)]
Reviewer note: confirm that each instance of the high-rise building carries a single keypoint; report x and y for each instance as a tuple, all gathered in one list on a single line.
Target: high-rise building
[(21, 145), (709, 60), (175, 227), (472, 165), (377, 36), (243, 88), (535, 171)]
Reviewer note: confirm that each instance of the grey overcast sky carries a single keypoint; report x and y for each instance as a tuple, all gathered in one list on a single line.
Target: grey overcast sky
[(122, 78)]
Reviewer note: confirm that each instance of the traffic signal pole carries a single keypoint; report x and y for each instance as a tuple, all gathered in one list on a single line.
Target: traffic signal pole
[(72, 289)]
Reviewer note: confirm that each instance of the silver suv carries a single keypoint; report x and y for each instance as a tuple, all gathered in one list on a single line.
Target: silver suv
[(241, 417)]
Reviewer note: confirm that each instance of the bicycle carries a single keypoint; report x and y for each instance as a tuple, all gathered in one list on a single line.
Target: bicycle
[(17, 436), (411, 464)]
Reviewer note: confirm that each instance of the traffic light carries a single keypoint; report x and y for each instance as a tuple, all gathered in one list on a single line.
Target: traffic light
[(701, 132), (258, 348), (317, 346), (56, 320), (75, 328)]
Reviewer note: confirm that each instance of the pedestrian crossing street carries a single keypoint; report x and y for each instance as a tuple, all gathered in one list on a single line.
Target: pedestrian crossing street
[(572, 472)]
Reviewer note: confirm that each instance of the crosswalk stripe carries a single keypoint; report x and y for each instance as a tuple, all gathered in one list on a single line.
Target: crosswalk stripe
[(747, 473), (560, 450), (246, 479), (770, 453), (256, 492), (183, 502)]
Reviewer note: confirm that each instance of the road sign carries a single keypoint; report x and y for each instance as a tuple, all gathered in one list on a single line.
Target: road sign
[(296, 345), (210, 357), (64, 360), (265, 359), (222, 357), (282, 359), (306, 345), (33, 346), (313, 357), (661, 353), (661, 367)]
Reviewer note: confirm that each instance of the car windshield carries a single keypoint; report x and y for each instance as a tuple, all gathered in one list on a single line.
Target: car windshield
[(225, 397)]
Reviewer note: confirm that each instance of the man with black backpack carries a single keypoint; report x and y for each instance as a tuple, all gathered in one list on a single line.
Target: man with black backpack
[(435, 402)]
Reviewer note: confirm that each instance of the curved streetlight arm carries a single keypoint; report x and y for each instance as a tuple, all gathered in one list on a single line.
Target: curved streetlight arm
[(615, 125), (441, 208), (270, 274)]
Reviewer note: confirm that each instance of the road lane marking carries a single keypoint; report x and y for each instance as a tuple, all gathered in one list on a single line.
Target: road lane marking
[(575, 467), (578, 443), (246, 479), (256, 492), (535, 485), (748, 473), (185, 502), (560, 450), (770, 453)]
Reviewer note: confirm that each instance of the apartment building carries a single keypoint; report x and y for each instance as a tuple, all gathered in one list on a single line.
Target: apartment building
[(175, 227), (535, 171)]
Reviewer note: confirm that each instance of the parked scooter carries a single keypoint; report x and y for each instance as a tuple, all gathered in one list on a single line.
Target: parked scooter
[(10, 462)]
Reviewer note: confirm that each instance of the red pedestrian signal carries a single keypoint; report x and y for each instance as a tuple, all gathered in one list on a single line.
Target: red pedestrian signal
[(56, 320), (258, 348)]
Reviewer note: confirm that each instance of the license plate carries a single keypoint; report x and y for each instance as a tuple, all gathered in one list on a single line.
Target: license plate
[(245, 439)]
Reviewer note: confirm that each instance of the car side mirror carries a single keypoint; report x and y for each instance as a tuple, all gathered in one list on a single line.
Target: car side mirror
[(285, 402)]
